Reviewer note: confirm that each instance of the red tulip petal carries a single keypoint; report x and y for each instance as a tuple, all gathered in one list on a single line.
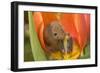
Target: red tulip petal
[(67, 21), (87, 20), (48, 17), (80, 29), (39, 25), (78, 25), (37, 20)]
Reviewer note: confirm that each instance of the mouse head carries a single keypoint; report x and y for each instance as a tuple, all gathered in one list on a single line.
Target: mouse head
[(57, 30)]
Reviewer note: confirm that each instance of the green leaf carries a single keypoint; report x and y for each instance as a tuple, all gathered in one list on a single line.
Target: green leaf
[(86, 52), (37, 51), (27, 50)]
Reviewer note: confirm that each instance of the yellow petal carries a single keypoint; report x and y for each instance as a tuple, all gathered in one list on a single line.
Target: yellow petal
[(56, 55)]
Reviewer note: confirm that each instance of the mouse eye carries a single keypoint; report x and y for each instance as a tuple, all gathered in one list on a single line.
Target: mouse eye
[(55, 34)]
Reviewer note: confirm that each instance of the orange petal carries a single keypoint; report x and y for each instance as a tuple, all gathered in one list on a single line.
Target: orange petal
[(78, 25), (39, 25), (48, 17), (81, 28), (37, 20), (67, 21), (87, 20), (41, 38)]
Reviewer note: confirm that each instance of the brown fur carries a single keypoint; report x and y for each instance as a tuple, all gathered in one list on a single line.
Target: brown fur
[(53, 36)]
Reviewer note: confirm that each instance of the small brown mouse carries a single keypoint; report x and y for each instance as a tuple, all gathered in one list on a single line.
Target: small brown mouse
[(55, 36)]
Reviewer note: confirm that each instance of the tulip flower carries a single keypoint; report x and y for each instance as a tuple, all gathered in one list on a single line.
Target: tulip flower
[(78, 25)]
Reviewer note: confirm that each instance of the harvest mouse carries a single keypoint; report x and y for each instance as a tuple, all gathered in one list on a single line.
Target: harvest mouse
[(54, 37)]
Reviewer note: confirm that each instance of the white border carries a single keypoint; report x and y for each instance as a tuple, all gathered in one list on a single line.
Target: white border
[(22, 64)]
